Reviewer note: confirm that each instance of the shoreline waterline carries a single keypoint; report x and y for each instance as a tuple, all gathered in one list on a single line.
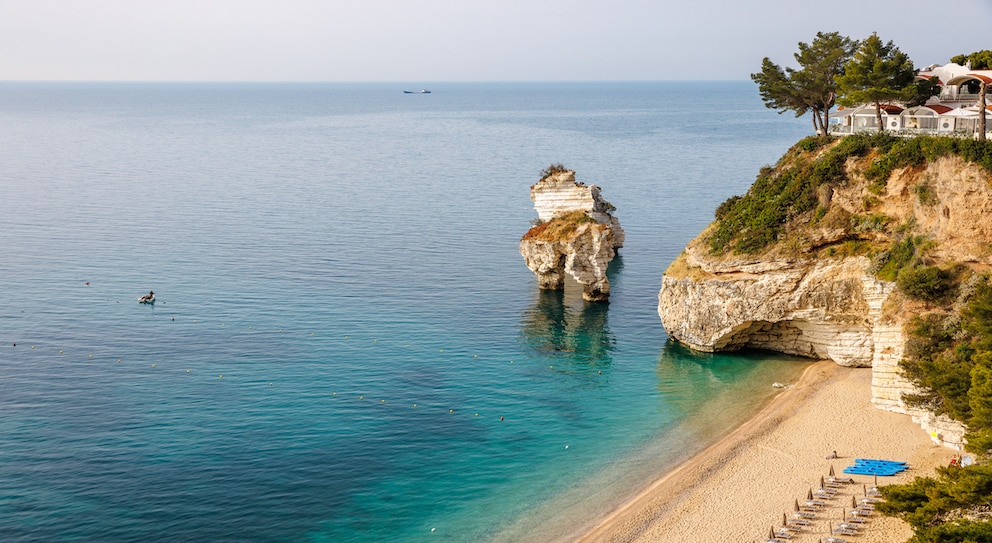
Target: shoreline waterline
[(574, 511), (679, 480), (740, 485)]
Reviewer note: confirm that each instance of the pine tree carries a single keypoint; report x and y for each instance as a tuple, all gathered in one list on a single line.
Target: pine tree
[(811, 88), (878, 72)]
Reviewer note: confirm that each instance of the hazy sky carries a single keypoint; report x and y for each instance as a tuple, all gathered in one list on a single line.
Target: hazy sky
[(455, 40)]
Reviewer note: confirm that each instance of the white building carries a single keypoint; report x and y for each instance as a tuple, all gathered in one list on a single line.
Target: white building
[(953, 112)]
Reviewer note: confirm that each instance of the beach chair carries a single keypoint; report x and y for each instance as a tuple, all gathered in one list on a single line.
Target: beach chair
[(790, 528), (825, 493), (794, 524), (840, 530), (868, 466), (832, 539), (777, 536), (862, 513), (849, 526), (805, 510), (782, 534), (829, 484), (814, 501)]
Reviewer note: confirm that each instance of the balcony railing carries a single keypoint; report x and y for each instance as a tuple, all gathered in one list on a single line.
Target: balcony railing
[(839, 130), (962, 96)]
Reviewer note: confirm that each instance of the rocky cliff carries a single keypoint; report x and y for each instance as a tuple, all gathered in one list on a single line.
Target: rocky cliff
[(576, 235), (822, 284)]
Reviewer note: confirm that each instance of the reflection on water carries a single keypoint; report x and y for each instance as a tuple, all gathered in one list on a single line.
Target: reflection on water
[(685, 375), (563, 327)]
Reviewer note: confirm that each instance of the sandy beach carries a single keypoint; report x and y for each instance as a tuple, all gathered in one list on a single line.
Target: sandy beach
[(737, 489)]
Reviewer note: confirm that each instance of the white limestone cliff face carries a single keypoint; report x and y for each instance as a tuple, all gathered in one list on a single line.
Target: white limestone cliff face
[(578, 236), (807, 303), (818, 309), (584, 256), (560, 193)]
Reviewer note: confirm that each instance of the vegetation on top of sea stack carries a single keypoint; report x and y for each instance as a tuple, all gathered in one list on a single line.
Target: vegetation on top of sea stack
[(560, 228), (556, 167)]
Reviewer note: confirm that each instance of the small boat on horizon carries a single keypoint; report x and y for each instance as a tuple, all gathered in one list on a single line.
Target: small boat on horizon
[(422, 91)]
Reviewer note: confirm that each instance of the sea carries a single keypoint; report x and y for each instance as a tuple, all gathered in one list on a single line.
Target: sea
[(346, 345)]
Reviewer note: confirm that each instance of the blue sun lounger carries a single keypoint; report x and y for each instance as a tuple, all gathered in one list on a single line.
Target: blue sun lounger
[(868, 466)]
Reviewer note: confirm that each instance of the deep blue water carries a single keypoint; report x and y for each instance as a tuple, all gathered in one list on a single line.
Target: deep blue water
[(343, 317)]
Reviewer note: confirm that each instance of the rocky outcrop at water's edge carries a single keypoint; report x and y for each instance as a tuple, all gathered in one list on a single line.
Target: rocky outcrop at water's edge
[(815, 292), (576, 235)]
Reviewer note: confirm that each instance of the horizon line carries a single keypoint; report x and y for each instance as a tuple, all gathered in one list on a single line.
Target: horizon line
[(371, 81)]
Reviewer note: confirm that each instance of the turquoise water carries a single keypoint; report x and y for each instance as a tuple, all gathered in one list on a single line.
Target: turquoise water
[(346, 344)]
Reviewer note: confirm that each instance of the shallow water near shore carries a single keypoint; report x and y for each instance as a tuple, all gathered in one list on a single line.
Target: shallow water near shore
[(346, 345)]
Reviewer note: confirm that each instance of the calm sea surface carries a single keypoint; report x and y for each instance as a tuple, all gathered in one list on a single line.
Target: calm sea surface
[(347, 345)]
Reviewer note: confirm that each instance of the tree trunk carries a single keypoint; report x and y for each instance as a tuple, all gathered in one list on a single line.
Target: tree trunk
[(826, 115), (878, 116), (816, 127), (821, 121), (981, 111)]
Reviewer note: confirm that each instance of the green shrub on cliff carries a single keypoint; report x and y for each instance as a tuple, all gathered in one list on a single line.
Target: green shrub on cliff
[(928, 283), (949, 358), (781, 197), (939, 508), (750, 223)]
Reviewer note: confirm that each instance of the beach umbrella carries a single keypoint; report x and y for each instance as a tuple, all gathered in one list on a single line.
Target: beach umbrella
[(854, 502), (809, 495), (797, 505), (831, 470), (866, 490), (821, 482), (876, 480), (771, 533)]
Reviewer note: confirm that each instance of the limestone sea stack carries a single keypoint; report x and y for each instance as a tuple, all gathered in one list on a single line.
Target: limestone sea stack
[(576, 234)]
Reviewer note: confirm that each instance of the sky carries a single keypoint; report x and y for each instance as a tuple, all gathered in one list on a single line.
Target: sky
[(456, 40)]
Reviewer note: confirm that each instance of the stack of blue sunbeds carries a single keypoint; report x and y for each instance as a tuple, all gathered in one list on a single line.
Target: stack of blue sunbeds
[(867, 466)]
